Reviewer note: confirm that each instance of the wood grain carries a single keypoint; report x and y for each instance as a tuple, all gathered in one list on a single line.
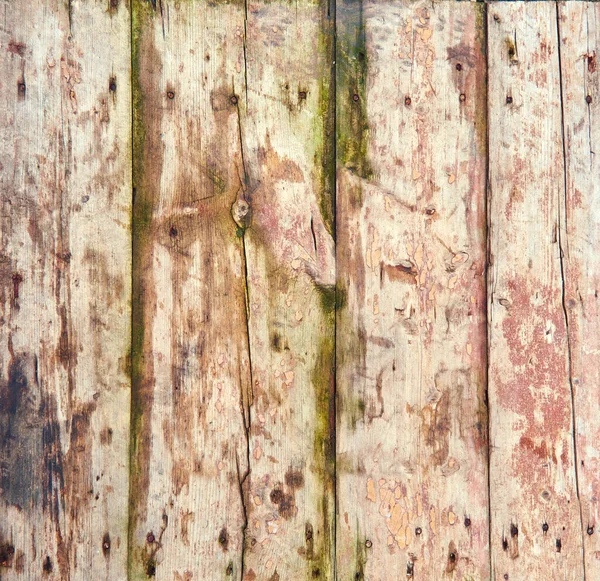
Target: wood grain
[(65, 264), (535, 515), (287, 129), (191, 372), (579, 26), (411, 357)]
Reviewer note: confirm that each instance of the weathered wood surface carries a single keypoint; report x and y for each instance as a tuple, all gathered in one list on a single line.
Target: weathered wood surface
[(285, 296), (579, 26), (411, 358), (536, 529), (233, 336), (65, 267)]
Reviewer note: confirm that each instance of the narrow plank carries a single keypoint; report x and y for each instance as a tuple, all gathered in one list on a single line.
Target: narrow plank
[(65, 263), (535, 517), (411, 356), (287, 127), (190, 347), (580, 48)]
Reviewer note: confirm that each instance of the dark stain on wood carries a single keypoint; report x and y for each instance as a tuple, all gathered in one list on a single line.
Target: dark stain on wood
[(20, 431)]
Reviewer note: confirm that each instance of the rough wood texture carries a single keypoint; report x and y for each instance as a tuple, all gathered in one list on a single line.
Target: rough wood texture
[(535, 515), (65, 110), (204, 287), (191, 373), (579, 25), (412, 432), (287, 134)]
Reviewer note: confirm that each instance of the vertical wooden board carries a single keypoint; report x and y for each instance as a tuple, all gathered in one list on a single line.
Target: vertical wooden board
[(287, 129), (535, 518), (65, 189), (579, 27), (190, 346), (411, 338)]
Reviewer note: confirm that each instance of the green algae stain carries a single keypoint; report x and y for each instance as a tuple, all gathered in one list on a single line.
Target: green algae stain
[(352, 68)]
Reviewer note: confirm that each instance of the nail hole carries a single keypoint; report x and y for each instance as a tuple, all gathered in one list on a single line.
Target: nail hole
[(590, 530), (112, 85), (418, 531), (302, 95), (150, 538), (509, 100), (588, 99), (407, 101), (458, 67), (234, 99), (462, 97), (173, 232), (467, 522), (355, 97), (368, 544), (545, 527)]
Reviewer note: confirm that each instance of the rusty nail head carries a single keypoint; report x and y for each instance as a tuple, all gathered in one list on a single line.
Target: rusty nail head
[(21, 87), (150, 537), (407, 101), (302, 94), (509, 99), (234, 99), (112, 86), (462, 97), (467, 521), (355, 97), (590, 530), (418, 531), (368, 543), (171, 95), (545, 527), (588, 99), (506, 575), (458, 67)]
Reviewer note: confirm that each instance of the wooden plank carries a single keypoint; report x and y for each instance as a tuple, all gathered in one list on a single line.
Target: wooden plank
[(287, 128), (190, 347), (65, 189), (579, 27), (288, 134), (411, 356), (535, 518)]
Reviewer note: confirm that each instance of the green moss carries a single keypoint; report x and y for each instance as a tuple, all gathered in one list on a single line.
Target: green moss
[(142, 11), (323, 377), (325, 129), (352, 68), (360, 555), (332, 298)]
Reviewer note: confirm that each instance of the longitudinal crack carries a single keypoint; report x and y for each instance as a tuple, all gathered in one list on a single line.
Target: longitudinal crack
[(246, 397), (563, 284)]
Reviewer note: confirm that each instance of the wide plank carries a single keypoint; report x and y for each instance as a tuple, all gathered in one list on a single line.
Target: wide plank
[(190, 363), (411, 338), (285, 214), (65, 263), (535, 514)]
